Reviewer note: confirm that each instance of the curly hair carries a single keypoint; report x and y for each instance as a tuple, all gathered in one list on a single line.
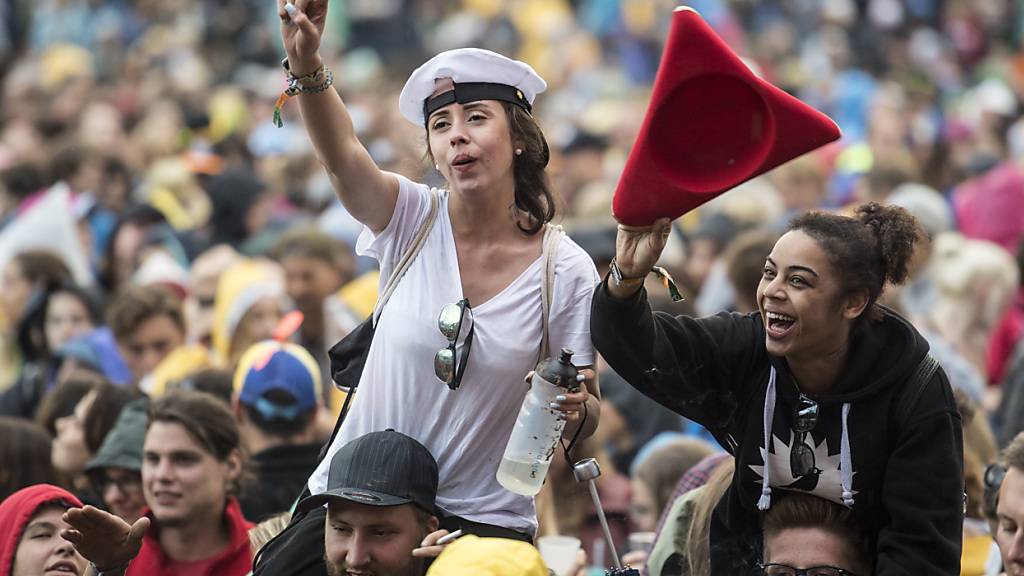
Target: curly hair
[(867, 250)]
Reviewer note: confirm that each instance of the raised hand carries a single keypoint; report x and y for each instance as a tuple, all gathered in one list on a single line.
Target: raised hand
[(102, 538), (302, 26), (637, 248)]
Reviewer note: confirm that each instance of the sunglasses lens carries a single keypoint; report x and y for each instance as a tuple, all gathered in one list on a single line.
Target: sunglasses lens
[(806, 415), (823, 571), (777, 570), (801, 460), (448, 320), (994, 475), (444, 365)]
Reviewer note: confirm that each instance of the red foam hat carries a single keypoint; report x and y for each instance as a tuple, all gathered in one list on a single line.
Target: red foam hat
[(712, 124)]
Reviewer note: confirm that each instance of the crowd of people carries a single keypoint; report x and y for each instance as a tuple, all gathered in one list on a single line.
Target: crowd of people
[(187, 228)]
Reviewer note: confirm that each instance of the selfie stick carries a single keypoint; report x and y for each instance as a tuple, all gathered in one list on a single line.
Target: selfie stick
[(588, 471)]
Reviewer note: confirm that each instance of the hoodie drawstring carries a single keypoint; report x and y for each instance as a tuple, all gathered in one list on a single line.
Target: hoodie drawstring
[(765, 501), (845, 456), (846, 460)]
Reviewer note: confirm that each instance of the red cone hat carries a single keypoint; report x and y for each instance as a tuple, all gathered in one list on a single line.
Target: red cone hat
[(711, 125)]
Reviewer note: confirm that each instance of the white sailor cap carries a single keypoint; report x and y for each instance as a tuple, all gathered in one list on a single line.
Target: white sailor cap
[(477, 75)]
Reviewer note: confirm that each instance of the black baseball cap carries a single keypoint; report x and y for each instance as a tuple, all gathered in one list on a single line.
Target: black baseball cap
[(380, 469)]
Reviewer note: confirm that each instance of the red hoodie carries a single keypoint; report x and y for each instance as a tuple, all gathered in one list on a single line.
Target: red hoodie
[(17, 510), (235, 560)]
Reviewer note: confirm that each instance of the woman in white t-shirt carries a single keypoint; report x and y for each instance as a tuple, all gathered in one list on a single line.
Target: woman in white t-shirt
[(485, 247)]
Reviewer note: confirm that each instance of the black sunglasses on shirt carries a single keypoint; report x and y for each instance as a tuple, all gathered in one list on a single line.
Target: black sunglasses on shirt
[(801, 456)]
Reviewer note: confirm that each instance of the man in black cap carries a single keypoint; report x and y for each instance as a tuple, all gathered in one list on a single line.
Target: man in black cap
[(380, 506)]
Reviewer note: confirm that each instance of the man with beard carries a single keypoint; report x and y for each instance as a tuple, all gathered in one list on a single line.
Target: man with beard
[(380, 506)]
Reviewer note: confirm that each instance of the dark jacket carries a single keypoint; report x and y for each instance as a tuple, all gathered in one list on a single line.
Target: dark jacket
[(907, 477), (281, 474), (1010, 416), (23, 397)]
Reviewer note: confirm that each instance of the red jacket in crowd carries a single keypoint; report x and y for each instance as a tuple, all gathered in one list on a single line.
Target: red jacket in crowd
[(235, 560)]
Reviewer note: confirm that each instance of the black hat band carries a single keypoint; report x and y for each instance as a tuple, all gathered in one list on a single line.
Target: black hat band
[(467, 92)]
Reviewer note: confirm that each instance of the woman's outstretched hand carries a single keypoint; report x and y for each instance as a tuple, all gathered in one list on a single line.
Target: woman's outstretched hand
[(102, 538), (302, 26), (637, 248)]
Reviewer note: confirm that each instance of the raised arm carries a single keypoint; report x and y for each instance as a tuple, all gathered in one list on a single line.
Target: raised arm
[(704, 369), (366, 192)]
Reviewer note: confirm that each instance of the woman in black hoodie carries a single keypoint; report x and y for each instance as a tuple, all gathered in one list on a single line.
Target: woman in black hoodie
[(838, 391)]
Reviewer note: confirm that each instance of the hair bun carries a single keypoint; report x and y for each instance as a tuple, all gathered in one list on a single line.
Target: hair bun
[(897, 231)]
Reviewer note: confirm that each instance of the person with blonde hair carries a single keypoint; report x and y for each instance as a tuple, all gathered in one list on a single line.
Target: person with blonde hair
[(974, 282), (250, 302), (681, 545)]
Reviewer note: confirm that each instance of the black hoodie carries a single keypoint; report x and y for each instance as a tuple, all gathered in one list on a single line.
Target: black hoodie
[(907, 477)]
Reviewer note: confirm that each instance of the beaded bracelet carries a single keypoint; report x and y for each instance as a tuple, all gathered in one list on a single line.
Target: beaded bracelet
[(316, 81)]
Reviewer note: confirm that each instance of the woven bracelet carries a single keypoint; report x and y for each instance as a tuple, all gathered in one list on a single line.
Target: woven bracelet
[(312, 83)]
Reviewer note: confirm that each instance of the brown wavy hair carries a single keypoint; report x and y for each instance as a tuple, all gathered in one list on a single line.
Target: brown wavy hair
[(533, 192)]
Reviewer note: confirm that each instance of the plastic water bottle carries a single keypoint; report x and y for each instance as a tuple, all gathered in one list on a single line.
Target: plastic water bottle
[(538, 427)]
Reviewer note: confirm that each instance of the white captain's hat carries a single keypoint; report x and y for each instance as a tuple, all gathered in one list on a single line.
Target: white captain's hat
[(477, 74)]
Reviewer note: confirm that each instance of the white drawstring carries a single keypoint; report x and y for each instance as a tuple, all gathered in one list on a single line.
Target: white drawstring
[(765, 501), (846, 461)]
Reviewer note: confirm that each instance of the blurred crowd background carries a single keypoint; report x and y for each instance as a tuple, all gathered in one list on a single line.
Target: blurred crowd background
[(140, 170)]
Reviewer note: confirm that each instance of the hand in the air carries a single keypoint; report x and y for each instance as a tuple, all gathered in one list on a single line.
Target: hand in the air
[(302, 26), (637, 248), (102, 538)]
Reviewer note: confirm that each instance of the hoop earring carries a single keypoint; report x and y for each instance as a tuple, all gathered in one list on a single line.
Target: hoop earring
[(437, 167), (519, 151)]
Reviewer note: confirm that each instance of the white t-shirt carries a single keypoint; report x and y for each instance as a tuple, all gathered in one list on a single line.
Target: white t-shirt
[(466, 430)]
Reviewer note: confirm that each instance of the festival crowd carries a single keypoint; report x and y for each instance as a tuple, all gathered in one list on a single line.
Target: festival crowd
[(181, 246)]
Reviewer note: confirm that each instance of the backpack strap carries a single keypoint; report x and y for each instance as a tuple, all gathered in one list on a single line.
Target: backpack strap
[(552, 238), (408, 256), (912, 391)]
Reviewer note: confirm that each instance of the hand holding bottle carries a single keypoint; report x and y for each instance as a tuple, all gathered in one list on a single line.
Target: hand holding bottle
[(571, 402)]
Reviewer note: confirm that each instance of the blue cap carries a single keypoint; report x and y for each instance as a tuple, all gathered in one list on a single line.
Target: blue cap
[(98, 350), (274, 365)]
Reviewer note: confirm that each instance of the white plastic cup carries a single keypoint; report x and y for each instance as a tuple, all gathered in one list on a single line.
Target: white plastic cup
[(641, 541), (559, 552)]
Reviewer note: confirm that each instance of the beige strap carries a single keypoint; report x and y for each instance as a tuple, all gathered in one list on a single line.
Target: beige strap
[(408, 256), (552, 238)]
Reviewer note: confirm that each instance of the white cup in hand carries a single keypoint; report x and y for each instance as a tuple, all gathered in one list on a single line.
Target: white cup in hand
[(559, 552)]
